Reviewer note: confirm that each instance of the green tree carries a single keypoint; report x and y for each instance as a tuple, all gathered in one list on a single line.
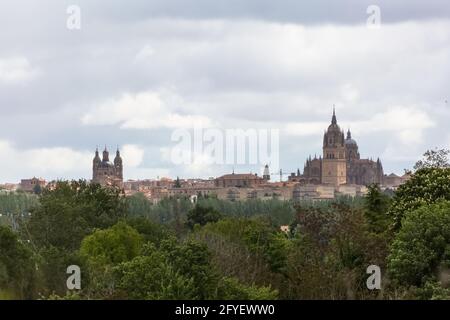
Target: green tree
[(17, 272), (177, 183), (52, 265), (112, 246), (376, 207), (232, 289), (193, 260), (102, 251), (436, 158), (421, 249), (37, 189), (71, 211), (202, 215), (426, 186), (150, 231), (138, 205), (152, 277)]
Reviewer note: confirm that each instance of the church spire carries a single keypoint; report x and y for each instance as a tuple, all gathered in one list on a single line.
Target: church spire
[(349, 134), (105, 155), (333, 119)]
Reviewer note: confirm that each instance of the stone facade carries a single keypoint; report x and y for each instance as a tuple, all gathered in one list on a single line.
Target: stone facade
[(106, 172), (341, 162), (239, 180), (29, 185)]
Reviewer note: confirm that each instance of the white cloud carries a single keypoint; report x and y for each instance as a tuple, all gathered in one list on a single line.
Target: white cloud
[(145, 53), (240, 73), (16, 70), (132, 155), (304, 128), (50, 163), (145, 110), (406, 124), (64, 163)]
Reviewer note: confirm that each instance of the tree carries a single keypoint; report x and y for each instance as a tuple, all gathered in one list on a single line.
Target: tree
[(426, 186), (17, 270), (421, 249), (102, 251), (37, 189), (177, 183), (250, 250), (436, 158), (331, 249), (71, 211), (52, 263), (376, 208), (149, 230), (112, 246), (232, 289), (202, 215), (138, 205), (193, 260), (152, 277)]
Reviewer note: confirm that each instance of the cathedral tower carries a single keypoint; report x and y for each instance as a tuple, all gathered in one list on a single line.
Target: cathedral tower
[(334, 167), (105, 172), (118, 165), (95, 164), (266, 173)]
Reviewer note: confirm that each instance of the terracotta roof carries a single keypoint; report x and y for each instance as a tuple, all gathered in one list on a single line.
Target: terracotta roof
[(239, 176)]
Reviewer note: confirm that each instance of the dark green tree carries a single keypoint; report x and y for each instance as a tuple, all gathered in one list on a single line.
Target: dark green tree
[(71, 211), (202, 215), (177, 183), (232, 289), (37, 189), (193, 260), (376, 207), (152, 277), (426, 186), (17, 267), (421, 250)]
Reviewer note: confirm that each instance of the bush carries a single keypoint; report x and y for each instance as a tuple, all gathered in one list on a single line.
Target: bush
[(421, 249)]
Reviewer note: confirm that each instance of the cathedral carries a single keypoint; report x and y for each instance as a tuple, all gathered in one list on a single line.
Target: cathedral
[(341, 162), (106, 172)]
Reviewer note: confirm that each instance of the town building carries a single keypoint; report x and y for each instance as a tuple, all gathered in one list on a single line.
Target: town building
[(239, 180), (340, 162), (32, 185), (105, 172)]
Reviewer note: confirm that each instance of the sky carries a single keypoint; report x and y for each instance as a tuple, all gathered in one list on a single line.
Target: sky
[(137, 72)]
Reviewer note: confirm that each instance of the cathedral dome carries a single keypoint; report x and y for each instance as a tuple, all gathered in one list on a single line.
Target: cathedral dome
[(334, 127), (349, 141), (106, 164)]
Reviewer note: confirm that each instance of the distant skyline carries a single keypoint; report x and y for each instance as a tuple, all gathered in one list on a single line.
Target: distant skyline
[(139, 70)]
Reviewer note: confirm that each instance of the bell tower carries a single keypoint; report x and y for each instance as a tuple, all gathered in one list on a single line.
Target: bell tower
[(334, 167), (118, 164)]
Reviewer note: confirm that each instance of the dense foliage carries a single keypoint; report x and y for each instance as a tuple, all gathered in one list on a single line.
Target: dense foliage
[(426, 186), (130, 248)]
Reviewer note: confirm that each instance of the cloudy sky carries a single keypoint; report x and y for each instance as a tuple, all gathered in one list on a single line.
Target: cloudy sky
[(138, 70)]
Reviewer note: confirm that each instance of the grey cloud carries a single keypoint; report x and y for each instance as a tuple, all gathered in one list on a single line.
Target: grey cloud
[(203, 52)]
